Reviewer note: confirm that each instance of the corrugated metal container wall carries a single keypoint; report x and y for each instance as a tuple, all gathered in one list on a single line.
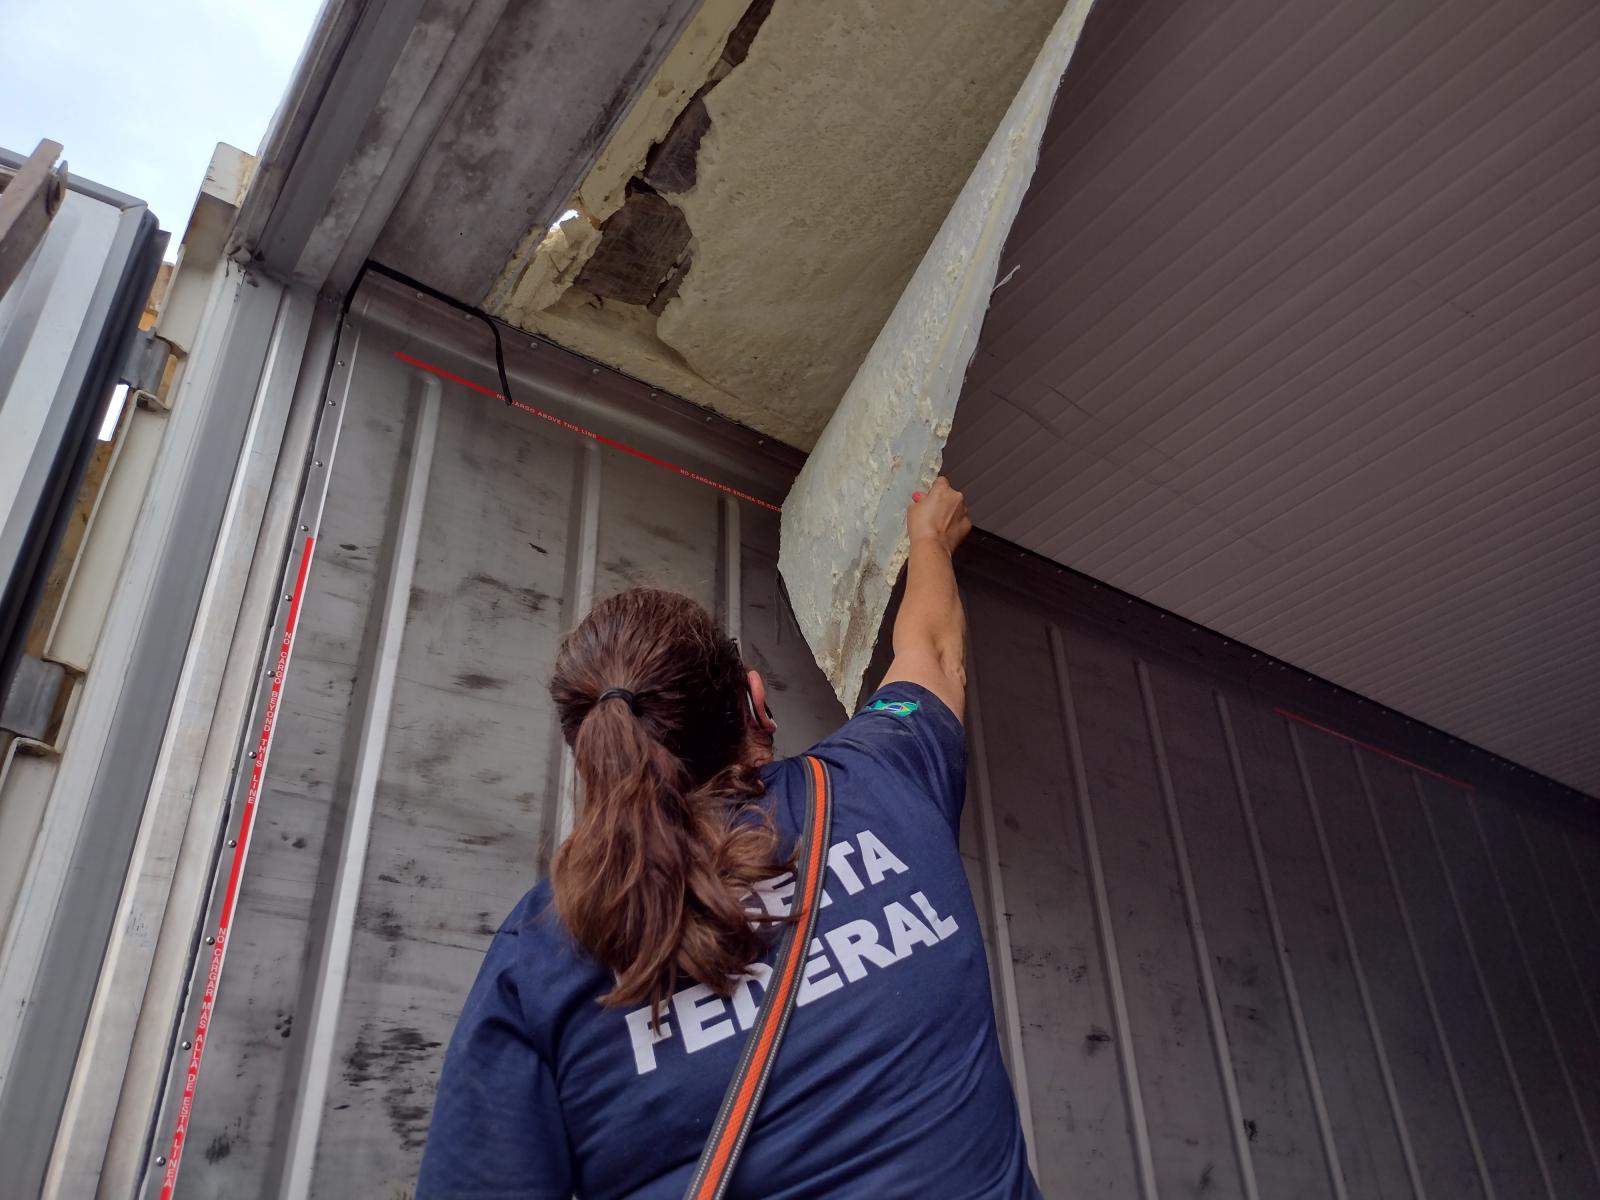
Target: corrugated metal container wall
[(459, 539), (1235, 954), (1252, 954)]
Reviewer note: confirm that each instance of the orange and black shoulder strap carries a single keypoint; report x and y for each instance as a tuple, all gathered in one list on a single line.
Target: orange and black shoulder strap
[(749, 1083)]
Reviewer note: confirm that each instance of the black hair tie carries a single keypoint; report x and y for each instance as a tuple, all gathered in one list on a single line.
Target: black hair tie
[(622, 694)]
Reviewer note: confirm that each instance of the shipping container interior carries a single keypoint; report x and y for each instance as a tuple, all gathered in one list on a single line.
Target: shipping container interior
[(1247, 937), (1296, 339)]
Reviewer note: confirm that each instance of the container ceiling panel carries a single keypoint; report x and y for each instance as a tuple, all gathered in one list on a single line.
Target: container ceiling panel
[(1303, 343)]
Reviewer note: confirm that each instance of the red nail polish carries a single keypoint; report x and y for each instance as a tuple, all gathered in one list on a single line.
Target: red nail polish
[(916, 497)]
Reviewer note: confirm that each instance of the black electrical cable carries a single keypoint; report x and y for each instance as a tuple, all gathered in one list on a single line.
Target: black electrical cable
[(459, 305)]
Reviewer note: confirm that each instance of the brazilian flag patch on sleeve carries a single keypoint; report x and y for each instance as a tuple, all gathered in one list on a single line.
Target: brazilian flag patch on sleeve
[(898, 708)]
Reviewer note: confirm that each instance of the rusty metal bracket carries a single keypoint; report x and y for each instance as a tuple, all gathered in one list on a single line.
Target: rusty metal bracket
[(30, 196)]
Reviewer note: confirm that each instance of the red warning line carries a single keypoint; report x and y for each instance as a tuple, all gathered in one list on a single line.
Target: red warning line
[(1345, 737), (219, 943), (589, 433)]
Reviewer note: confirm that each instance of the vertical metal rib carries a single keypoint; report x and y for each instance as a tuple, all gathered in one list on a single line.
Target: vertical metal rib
[(1197, 935), (333, 402), (334, 963), (1422, 973), (1483, 988), (1280, 944), (1102, 917), (1533, 982), (1351, 949), (583, 554), (1561, 928), (999, 924), (1583, 883), (730, 565)]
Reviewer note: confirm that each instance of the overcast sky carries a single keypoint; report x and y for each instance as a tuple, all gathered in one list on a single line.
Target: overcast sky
[(140, 93)]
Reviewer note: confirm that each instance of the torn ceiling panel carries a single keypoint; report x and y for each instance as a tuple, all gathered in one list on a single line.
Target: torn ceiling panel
[(843, 536), (645, 239), (823, 163), (432, 134), (554, 81), (544, 265)]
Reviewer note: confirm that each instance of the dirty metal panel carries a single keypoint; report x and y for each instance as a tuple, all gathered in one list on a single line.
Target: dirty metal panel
[(464, 803), (1488, 1090), (1537, 1061), (1191, 1143), (656, 530), (1566, 1005), (1366, 1000), (1276, 1108), (461, 800), (1368, 1148), (1586, 855), (978, 816), (1574, 918), (444, 818), (241, 1119), (1424, 1101), (1082, 1134)]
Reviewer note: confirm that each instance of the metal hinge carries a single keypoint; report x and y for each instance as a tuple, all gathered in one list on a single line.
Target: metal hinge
[(33, 705), (144, 368)]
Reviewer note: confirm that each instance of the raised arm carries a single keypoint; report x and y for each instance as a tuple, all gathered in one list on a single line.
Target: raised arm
[(930, 631)]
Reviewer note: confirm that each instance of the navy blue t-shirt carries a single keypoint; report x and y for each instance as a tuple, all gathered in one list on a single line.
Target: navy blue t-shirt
[(889, 1081)]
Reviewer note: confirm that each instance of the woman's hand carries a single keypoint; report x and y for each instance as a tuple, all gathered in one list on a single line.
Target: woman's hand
[(930, 631), (939, 516)]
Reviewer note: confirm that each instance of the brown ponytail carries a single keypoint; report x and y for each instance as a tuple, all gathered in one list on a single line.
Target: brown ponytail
[(669, 839)]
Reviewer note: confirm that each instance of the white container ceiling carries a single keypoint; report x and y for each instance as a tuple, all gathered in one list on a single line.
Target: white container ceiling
[(1303, 344)]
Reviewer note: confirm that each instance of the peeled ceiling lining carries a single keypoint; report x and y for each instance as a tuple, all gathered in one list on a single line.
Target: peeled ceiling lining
[(834, 149), (844, 536)]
